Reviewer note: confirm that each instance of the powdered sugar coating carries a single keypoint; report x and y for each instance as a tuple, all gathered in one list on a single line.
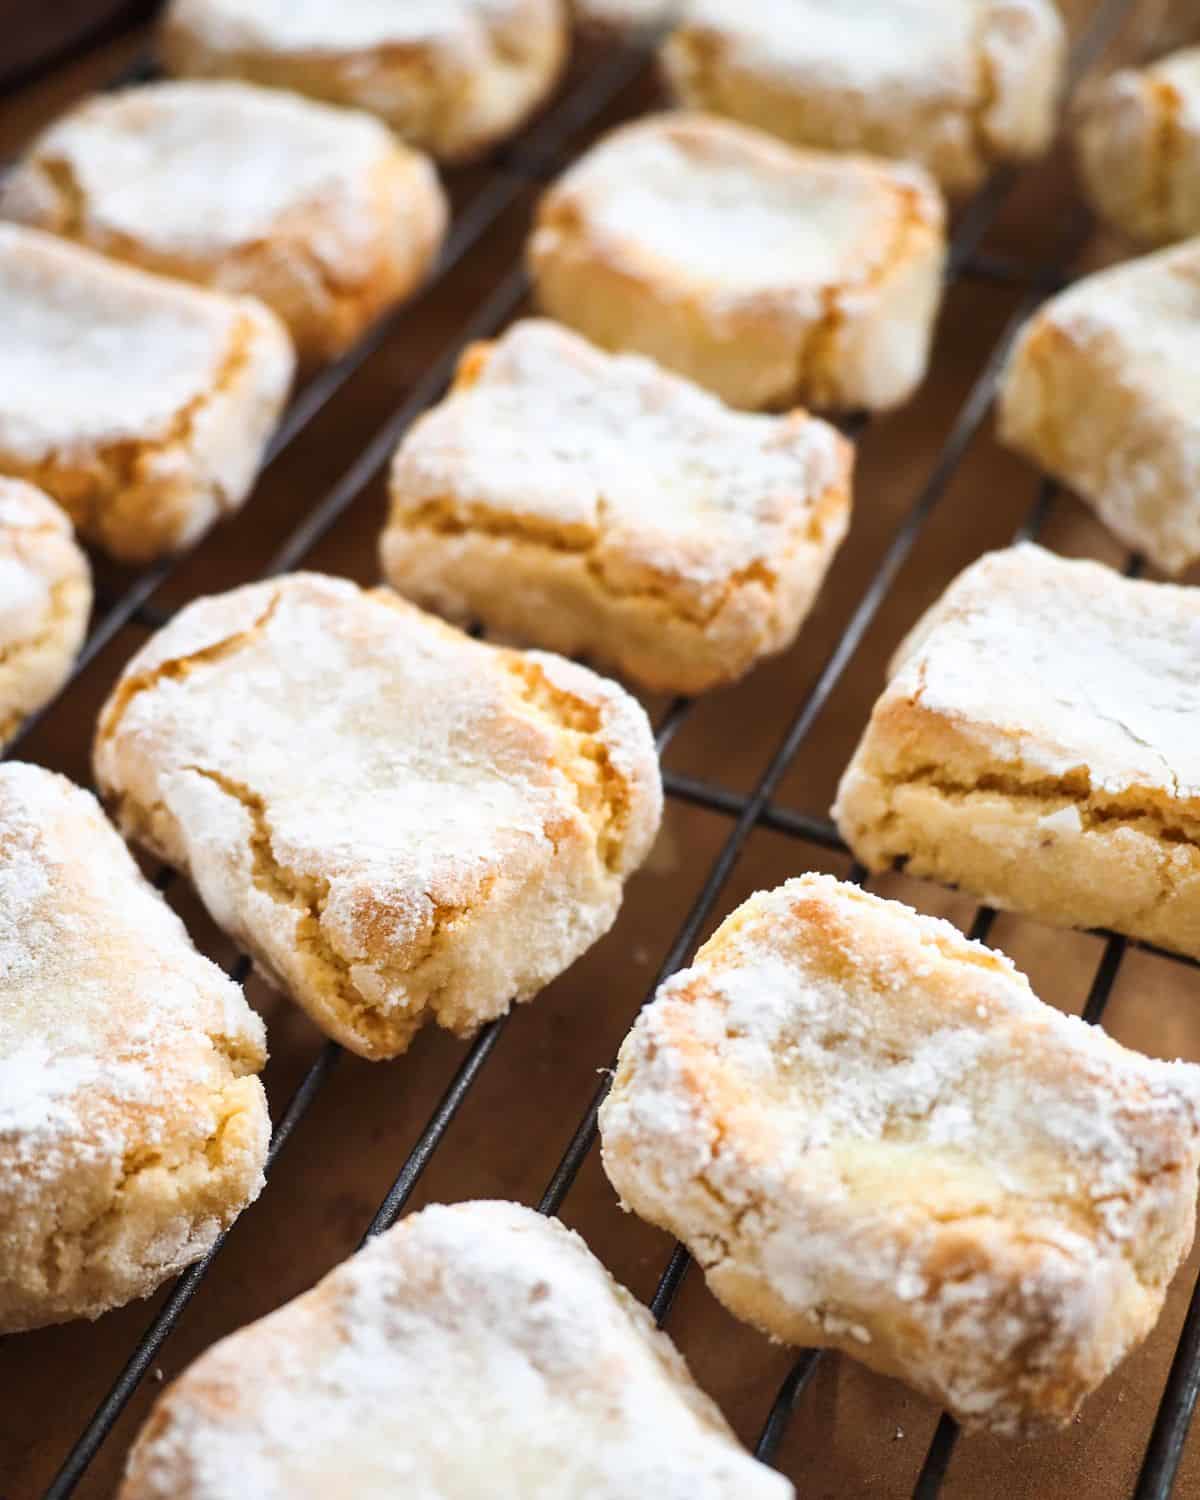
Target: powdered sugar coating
[(953, 84), (132, 1128), (1039, 687), (873, 1135), (1103, 389), (139, 403), (452, 76), (456, 830), (1125, 707), (319, 211), (645, 506), (472, 1351), (771, 276), (45, 597)]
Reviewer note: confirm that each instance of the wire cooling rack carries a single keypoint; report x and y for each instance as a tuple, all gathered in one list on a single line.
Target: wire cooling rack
[(537, 155)]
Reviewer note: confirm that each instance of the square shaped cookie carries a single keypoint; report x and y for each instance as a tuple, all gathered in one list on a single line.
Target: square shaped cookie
[(773, 277), (320, 212), (874, 1137), (45, 599), (451, 76), (1137, 142), (138, 403), (397, 822), (1036, 745), (956, 85), (1102, 389), (133, 1126), (477, 1349), (592, 503)]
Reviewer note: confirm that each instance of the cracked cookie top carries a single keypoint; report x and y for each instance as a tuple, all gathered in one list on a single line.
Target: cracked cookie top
[(707, 208), (668, 492), (316, 27), (872, 1132), (1046, 668), (96, 354), (208, 168), (396, 819), (473, 1352), (38, 555)]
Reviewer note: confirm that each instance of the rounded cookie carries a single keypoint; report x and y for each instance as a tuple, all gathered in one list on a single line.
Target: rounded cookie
[(451, 76), (133, 1128), (45, 599), (320, 212), (473, 1352), (772, 276)]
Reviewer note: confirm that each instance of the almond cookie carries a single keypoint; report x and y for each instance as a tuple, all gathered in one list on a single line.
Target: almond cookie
[(956, 85), (451, 76), (473, 1352), (772, 276), (397, 822), (45, 598), (874, 1137), (1035, 744), (141, 405), (132, 1126), (1137, 140), (1103, 391), (320, 212), (592, 503)]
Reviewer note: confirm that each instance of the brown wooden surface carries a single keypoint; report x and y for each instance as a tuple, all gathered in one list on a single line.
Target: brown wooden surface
[(854, 1434)]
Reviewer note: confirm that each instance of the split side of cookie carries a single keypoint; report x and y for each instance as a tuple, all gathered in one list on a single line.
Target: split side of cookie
[(597, 505), (142, 405), (772, 276), (133, 1126), (397, 822), (1036, 745), (320, 212), (874, 1137)]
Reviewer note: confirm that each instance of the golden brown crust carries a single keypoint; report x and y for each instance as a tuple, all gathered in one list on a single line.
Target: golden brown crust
[(453, 78), (457, 832), (875, 1138), (773, 277), (597, 505)]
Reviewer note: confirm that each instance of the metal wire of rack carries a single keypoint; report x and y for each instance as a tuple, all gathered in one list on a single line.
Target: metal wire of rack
[(537, 155)]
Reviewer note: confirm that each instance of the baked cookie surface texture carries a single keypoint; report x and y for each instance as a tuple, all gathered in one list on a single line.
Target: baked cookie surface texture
[(596, 504), (397, 822), (451, 76), (143, 406), (45, 597), (957, 85), (774, 277), (1102, 389), (1036, 745), (473, 1352), (133, 1127), (874, 1137), (1137, 141), (320, 212)]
